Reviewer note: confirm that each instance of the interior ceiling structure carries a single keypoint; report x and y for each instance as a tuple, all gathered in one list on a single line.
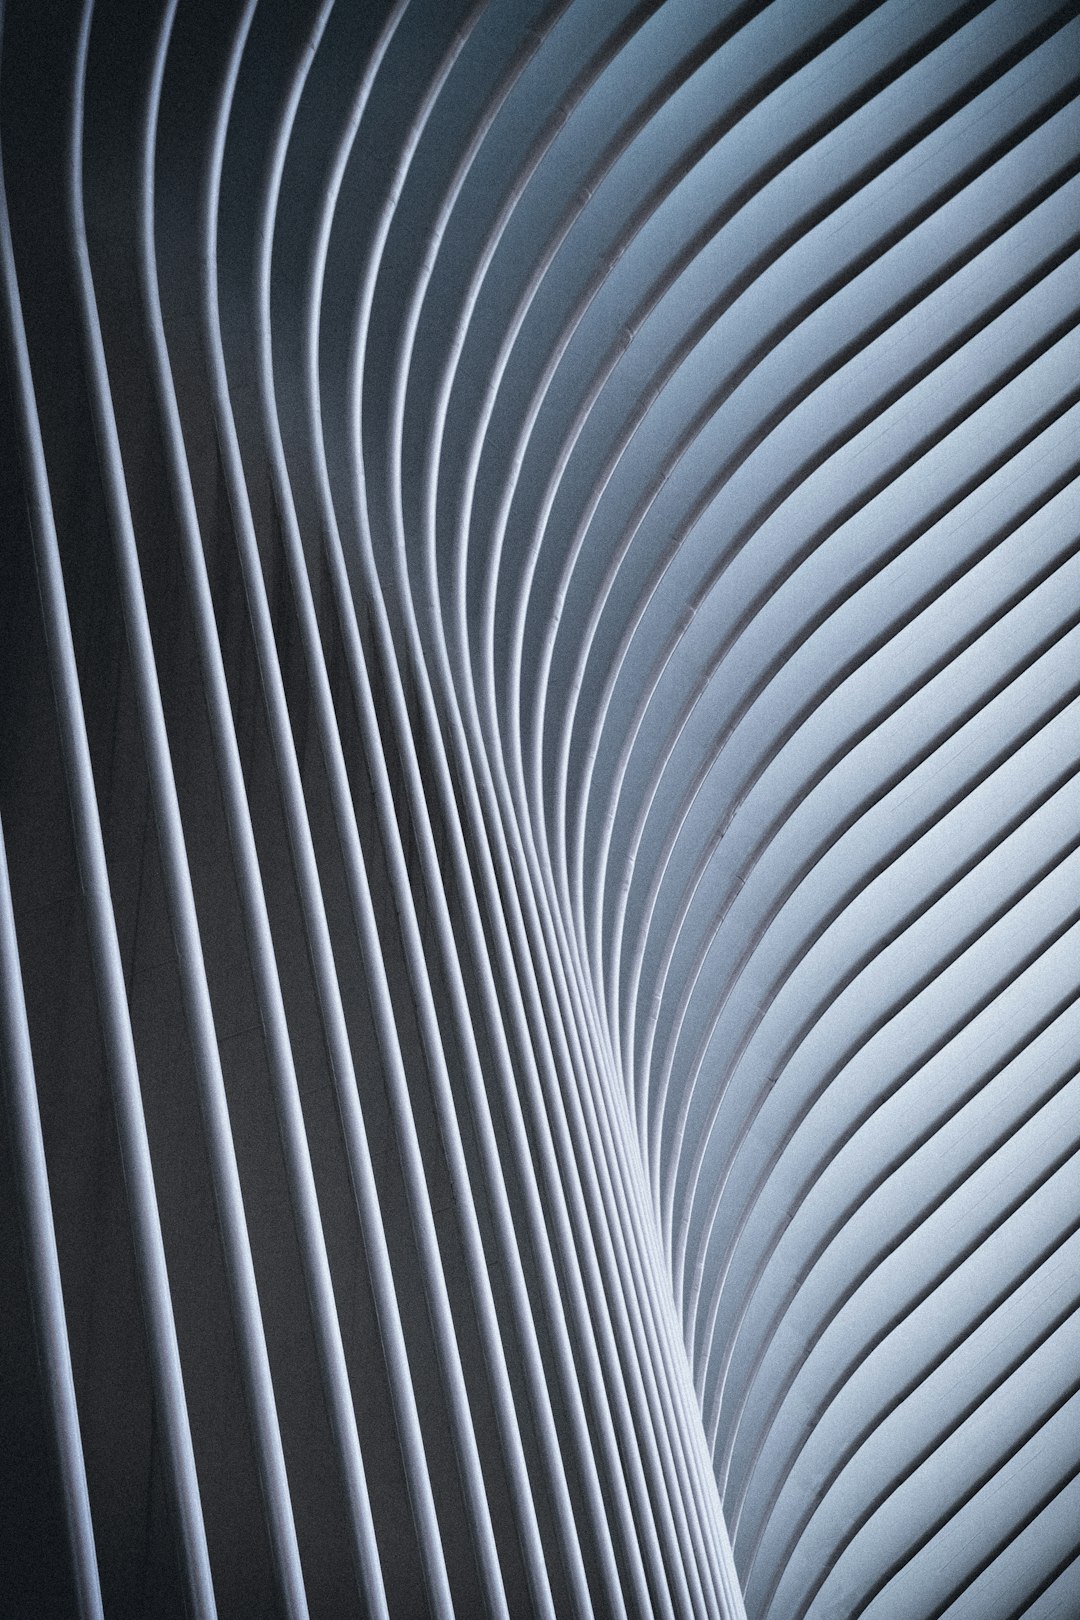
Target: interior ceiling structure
[(541, 784)]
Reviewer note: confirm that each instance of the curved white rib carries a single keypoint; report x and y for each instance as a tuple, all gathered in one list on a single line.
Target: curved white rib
[(539, 975)]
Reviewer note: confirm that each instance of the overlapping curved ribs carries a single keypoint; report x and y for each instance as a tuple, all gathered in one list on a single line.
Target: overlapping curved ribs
[(539, 966)]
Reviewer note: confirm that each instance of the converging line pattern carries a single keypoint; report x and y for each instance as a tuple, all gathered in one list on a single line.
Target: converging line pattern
[(540, 804)]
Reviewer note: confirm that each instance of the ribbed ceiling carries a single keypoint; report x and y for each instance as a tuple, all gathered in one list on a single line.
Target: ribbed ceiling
[(542, 793)]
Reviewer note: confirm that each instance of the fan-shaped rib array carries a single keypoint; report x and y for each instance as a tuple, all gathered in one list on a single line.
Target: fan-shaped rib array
[(538, 921)]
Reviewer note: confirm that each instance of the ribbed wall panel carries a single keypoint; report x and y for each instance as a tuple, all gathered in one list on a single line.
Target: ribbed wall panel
[(540, 796)]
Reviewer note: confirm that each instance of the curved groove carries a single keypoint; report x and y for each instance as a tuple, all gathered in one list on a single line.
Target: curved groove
[(935, 971), (922, 1214), (703, 501), (707, 411), (802, 715), (940, 738), (537, 887), (909, 1387), (875, 489), (850, 1292)]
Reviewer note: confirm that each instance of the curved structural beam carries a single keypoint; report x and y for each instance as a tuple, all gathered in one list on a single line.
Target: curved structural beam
[(538, 976)]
